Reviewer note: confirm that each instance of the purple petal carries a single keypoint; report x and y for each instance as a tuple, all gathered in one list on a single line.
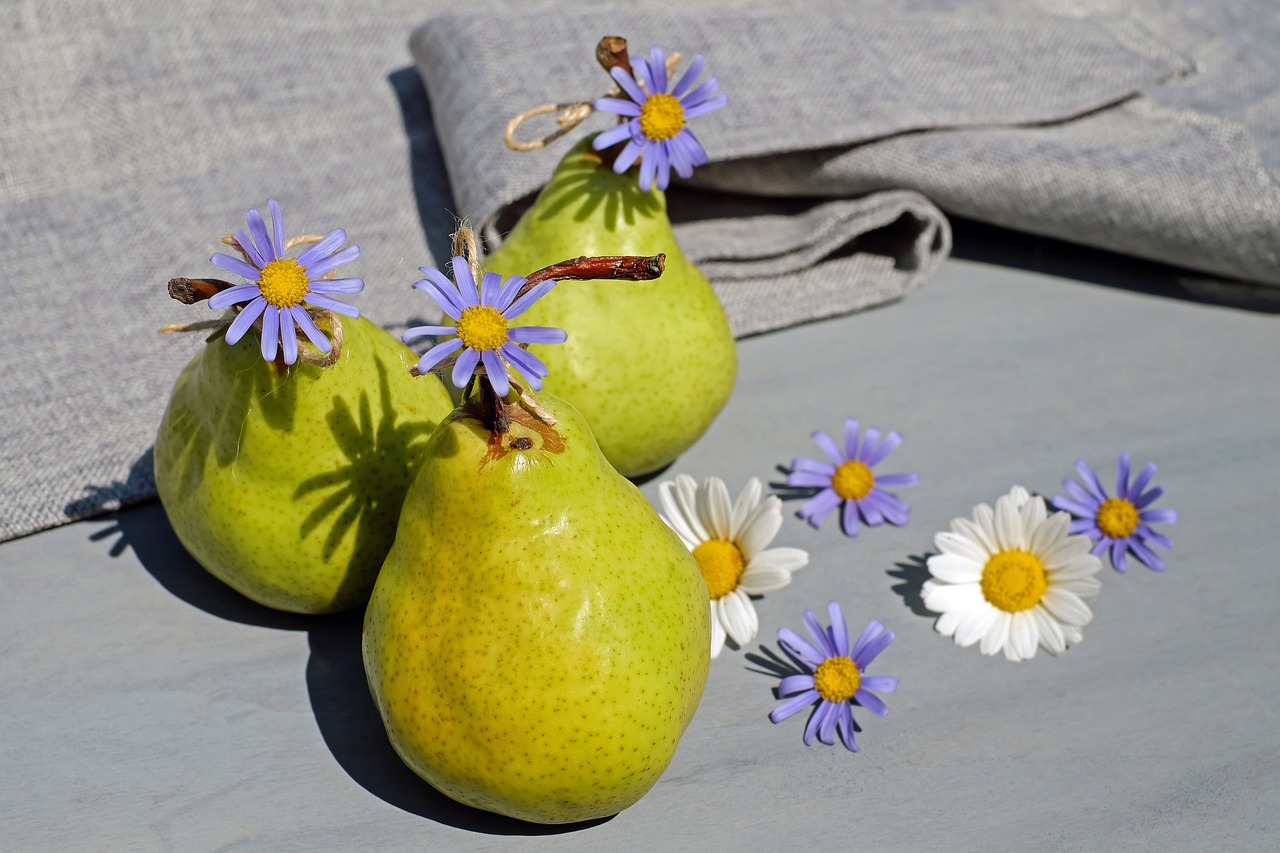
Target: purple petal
[(1074, 507), (816, 720), (881, 683), (523, 304), (1117, 555), (794, 684), (804, 479), (254, 255), (827, 728), (630, 109), (277, 231), (322, 248), (433, 331), (437, 354), (850, 439), (817, 508), (658, 69), (813, 466), (1101, 545), (696, 151), (507, 294), (641, 67), (627, 156), (236, 266), (497, 372), (819, 635), (893, 508), (490, 283), (1140, 482), (648, 167), (320, 300), (337, 285), (681, 156), (270, 332), (827, 446), (793, 706), (1122, 475), (465, 367), (1090, 479), (839, 630), (846, 727), (530, 366), (872, 456), (245, 319), (1149, 498), (288, 336), (864, 656), (1081, 494), (706, 106), (628, 84), (466, 284), (258, 229), (1158, 516), (800, 647), (870, 510), (537, 335), (849, 519), (690, 75), (442, 292), (897, 479), (232, 295), (874, 629), (327, 265), (662, 164), (310, 329), (699, 96), (1149, 535), (1087, 526), (1146, 555), (871, 702)]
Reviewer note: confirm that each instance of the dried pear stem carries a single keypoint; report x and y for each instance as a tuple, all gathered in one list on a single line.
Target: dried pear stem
[(189, 291)]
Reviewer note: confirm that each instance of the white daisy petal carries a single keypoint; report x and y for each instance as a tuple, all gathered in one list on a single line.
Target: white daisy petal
[(717, 632), (982, 538), (984, 516), (1033, 514), (1024, 635), (997, 635), (948, 622), (788, 559), (1083, 587), (673, 514), (1072, 634), (686, 495), (1067, 607), (760, 529), (1067, 550), (975, 624), (1048, 532), (1009, 525), (1081, 567), (747, 502), (956, 543), (954, 568), (943, 597), (714, 507), (739, 615), (1051, 636), (1018, 495)]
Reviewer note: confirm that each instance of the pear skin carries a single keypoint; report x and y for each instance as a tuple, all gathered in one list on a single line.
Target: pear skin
[(649, 364), (287, 485), (538, 639)]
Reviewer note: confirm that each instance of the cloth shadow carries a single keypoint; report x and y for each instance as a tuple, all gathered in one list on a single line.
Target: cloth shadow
[(913, 572), (352, 728), (431, 188)]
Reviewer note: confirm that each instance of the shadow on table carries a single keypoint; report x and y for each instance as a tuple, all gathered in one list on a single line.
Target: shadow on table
[(431, 189), (913, 572), (978, 241), (352, 729)]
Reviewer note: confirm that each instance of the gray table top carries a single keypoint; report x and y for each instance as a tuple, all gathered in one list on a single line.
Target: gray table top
[(146, 707)]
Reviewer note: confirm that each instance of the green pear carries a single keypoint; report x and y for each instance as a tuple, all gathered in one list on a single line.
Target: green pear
[(538, 639), (649, 364), (287, 484)]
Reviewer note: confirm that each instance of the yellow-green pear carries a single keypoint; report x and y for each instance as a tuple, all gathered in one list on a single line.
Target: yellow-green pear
[(538, 639), (649, 364), (286, 483)]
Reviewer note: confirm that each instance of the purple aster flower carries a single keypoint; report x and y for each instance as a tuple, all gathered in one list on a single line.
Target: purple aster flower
[(279, 285), (655, 129), (482, 332), (847, 479), (836, 677), (1122, 523)]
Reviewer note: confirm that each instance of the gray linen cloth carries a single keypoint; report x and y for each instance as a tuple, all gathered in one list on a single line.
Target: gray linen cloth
[(132, 136)]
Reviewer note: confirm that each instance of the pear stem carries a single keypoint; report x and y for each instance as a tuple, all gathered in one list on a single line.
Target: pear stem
[(604, 267), (189, 291)]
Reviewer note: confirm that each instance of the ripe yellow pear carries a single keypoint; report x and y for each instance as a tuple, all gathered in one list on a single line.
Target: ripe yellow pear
[(287, 484), (538, 639), (648, 364)]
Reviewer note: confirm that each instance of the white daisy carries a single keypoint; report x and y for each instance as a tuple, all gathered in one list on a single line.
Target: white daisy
[(1012, 579), (728, 542)]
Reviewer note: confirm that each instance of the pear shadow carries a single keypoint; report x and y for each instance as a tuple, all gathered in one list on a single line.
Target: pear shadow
[(652, 475), (357, 491), (913, 572), (352, 728), (432, 191)]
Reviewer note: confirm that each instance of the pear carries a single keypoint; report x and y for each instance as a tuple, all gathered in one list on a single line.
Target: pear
[(286, 484), (649, 364), (538, 639)]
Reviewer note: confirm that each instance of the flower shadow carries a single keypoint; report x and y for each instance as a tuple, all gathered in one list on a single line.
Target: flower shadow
[(587, 182), (138, 486), (913, 572), (352, 728)]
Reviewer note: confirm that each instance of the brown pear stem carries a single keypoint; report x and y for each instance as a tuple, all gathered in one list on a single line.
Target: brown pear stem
[(604, 267), (189, 291), (611, 52)]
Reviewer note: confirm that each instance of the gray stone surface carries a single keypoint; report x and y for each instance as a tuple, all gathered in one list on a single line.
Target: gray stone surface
[(146, 707)]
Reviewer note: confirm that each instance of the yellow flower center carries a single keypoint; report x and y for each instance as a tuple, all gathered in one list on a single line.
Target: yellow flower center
[(283, 283), (721, 564), (1117, 517), (837, 679), (1014, 580), (853, 480), (661, 117), (482, 327)]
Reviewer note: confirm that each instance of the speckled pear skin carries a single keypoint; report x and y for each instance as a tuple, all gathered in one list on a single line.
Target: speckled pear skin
[(649, 364), (288, 486), (538, 639)]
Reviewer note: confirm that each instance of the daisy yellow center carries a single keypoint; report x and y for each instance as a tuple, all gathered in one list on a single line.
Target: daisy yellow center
[(283, 283), (1014, 580), (482, 327), (837, 679), (721, 564), (1117, 517), (661, 117), (853, 480)]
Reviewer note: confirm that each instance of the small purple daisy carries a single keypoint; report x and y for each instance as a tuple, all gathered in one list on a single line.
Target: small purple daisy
[(836, 678), (655, 129), (482, 331), (1122, 523), (847, 479), (281, 284)]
